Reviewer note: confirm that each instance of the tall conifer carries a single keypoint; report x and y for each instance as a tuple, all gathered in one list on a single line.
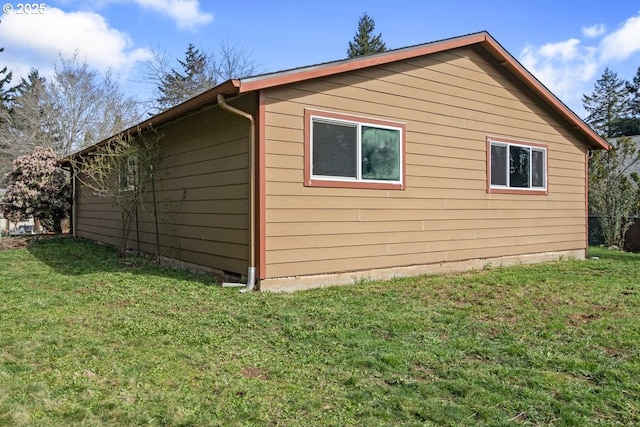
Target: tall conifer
[(365, 42)]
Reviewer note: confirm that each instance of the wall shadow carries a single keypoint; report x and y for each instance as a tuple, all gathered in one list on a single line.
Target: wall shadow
[(73, 256)]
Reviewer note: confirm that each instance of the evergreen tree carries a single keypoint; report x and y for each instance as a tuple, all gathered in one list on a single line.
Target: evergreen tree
[(6, 99), (633, 87), (629, 124), (613, 186), (6, 92), (195, 77), (607, 104), (28, 106), (197, 72), (364, 42), (22, 129)]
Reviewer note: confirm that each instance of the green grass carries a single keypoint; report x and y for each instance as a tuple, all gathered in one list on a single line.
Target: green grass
[(88, 340)]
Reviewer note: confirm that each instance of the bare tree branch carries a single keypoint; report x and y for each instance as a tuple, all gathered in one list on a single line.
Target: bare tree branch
[(197, 72), (121, 170)]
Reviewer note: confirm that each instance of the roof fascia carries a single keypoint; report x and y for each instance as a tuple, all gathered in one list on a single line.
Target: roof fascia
[(322, 70)]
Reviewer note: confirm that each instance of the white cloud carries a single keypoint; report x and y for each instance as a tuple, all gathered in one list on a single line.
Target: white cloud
[(562, 67), (562, 51), (594, 31), (38, 39), (623, 42), (569, 67), (186, 13)]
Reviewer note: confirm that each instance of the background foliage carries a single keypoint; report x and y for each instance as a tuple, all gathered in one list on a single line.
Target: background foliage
[(614, 187), (38, 188)]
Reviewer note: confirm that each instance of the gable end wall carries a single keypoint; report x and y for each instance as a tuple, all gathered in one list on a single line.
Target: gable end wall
[(450, 102)]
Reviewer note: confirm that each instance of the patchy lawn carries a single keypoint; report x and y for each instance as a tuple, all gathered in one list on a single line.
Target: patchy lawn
[(88, 340)]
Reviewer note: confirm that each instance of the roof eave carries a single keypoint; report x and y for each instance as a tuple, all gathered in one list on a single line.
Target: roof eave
[(343, 66), (209, 97)]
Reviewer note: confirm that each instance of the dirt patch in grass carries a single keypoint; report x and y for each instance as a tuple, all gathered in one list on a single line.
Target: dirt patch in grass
[(582, 318), (595, 312), (7, 243), (15, 242), (254, 373)]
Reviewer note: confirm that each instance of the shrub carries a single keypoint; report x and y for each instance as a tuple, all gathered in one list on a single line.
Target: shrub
[(37, 188)]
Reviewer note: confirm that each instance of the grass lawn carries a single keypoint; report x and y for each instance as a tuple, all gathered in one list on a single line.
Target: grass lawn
[(88, 340)]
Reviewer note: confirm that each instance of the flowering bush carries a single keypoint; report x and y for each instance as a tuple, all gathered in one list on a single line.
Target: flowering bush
[(37, 188)]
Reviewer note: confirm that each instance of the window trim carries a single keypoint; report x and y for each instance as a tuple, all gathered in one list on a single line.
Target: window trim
[(128, 174), (315, 181), (517, 190)]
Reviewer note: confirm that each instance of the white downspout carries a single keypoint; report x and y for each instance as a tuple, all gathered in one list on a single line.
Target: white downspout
[(251, 276), (74, 214)]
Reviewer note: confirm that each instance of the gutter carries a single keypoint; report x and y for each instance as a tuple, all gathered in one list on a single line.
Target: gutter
[(230, 87), (251, 276)]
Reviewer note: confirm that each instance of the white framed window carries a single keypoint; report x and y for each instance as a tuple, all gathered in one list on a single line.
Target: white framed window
[(516, 166), (349, 151)]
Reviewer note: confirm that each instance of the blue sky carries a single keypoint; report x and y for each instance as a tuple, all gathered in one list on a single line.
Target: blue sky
[(566, 44)]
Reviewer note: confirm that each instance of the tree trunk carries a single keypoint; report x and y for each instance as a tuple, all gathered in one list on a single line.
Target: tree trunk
[(57, 225)]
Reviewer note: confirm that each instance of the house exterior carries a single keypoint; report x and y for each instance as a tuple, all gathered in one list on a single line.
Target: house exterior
[(439, 157)]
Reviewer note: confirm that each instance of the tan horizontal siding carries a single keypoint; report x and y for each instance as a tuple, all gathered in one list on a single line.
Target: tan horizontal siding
[(417, 237), (96, 234), (559, 193), (202, 195), (451, 117), (397, 204), (449, 102), (207, 180), (351, 216), (204, 165), (504, 209), (218, 192), (96, 217), (373, 260), (281, 231), (204, 230), (450, 77), (439, 243)]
